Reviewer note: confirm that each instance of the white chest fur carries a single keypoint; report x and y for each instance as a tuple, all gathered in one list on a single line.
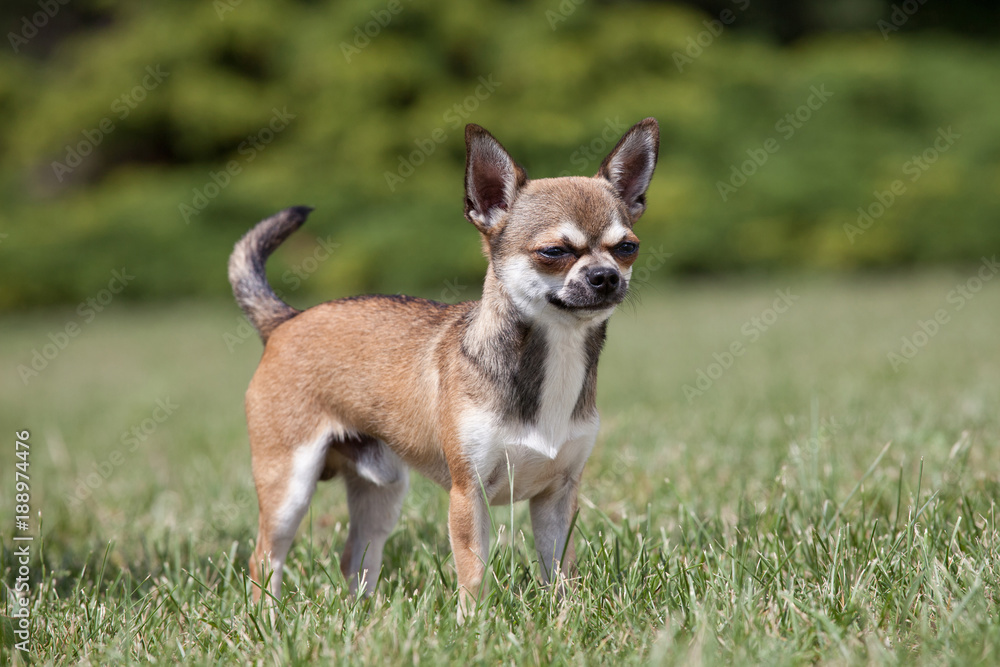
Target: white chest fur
[(565, 370), (515, 460)]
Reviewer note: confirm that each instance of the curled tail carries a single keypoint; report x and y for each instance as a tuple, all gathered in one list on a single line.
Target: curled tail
[(247, 275)]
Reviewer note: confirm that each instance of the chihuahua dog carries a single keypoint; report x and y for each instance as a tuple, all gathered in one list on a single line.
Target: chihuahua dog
[(492, 399)]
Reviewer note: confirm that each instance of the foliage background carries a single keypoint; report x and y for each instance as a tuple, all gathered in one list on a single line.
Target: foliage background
[(565, 73)]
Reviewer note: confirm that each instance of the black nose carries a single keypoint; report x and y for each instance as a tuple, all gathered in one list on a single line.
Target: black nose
[(603, 279)]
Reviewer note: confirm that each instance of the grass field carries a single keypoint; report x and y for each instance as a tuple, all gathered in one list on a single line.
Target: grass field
[(766, 520)]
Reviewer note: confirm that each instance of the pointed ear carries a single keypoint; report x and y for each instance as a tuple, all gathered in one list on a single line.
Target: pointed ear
[(492, 178), (629, 167)]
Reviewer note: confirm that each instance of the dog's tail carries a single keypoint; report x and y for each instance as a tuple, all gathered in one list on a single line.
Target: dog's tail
[(247, 275)]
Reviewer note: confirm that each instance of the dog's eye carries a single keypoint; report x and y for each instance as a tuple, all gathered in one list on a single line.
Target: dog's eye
[(555, 252), (626, 248)]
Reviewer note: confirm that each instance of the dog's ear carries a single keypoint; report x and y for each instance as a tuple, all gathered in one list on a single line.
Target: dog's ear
[(629, 167), (492, 178)]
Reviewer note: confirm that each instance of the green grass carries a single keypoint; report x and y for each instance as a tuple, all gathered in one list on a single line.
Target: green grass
[(765, 521)]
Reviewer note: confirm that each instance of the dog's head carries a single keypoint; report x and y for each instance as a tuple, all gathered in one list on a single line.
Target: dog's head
[(560, 247)]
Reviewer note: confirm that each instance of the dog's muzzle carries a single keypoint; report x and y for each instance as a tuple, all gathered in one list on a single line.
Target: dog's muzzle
[(601, 287)]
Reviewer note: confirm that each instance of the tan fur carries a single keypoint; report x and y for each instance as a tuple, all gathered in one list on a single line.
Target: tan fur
[(368, 386)]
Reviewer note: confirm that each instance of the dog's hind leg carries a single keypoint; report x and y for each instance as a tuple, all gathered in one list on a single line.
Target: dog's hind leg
[(285, 486), (377, 482)]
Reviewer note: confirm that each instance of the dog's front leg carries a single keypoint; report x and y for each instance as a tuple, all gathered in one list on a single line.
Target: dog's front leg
[(551, 515), (469, 529)]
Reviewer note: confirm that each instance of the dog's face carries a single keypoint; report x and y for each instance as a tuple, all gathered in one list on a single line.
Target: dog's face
[(561, 247)]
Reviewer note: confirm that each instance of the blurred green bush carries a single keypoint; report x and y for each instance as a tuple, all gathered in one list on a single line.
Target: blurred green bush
[(155, 139)]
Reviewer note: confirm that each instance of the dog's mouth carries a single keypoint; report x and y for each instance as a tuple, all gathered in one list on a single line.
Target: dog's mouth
[(608, 302)]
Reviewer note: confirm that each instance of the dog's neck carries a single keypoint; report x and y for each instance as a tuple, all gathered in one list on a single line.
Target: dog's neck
[(514, 353)]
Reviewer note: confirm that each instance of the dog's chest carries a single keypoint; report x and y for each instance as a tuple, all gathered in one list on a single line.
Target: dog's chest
[(565, 372), (513, 471), (517, 459)]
